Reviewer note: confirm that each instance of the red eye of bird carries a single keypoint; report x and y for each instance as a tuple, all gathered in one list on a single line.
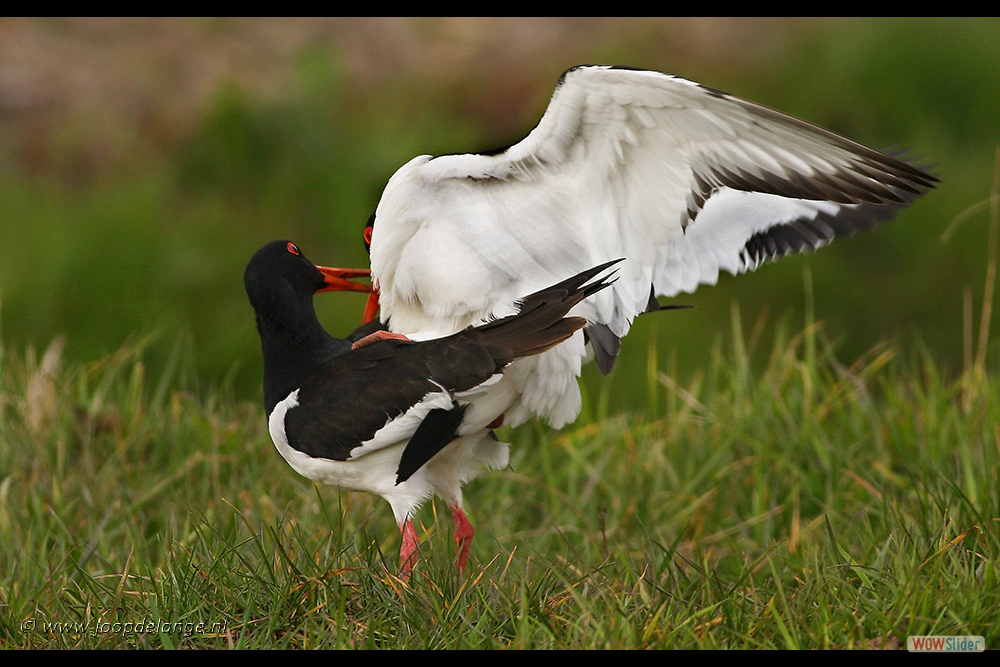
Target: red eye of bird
[(292, 248), (367, 235)]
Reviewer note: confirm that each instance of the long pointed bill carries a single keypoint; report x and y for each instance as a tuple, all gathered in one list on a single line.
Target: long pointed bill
[(371, 307), (339, 280)]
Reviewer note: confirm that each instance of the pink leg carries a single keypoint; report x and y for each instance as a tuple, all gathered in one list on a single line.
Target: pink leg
[(407, 549), (463, 536), (377, 336)]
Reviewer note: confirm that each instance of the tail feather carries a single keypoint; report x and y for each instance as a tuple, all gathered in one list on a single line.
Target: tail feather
[(541, 322)]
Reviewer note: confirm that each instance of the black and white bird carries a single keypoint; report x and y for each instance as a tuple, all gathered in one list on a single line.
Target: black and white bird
[(380, 413), (680, 180)]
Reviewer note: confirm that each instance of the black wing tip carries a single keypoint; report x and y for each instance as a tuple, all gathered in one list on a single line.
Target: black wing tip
[(579, 282), (604, 281), (437, 430), (541, 321), (917, 168)]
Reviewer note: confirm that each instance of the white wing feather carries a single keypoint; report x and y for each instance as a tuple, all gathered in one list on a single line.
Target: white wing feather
[(680, 180)]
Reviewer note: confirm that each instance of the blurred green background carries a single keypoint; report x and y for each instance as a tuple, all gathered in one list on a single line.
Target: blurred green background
[(142, 162)]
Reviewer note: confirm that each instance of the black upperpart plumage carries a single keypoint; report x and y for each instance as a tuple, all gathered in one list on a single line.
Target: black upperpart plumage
[(345, 394)]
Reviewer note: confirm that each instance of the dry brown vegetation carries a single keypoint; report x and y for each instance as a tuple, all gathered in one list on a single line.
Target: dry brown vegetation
[(79, 95)]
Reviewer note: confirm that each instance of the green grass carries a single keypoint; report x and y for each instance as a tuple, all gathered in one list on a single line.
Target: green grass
[(773, 490), (809, 504)]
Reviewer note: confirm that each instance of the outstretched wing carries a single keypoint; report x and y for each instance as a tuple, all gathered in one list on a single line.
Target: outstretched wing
[(681, 180)]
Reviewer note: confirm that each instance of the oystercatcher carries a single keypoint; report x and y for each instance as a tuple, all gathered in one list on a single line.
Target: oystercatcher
[(378, 412), (681, 180)]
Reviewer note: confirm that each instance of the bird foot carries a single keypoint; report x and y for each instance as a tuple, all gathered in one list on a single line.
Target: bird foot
[(407, 549), (376, 337), (464, 533)]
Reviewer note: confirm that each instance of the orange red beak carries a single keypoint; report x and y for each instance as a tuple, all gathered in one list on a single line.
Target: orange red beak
[(340, 280), (371, 307)]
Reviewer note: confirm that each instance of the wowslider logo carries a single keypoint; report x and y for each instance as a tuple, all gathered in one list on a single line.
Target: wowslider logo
[(945, 644)]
